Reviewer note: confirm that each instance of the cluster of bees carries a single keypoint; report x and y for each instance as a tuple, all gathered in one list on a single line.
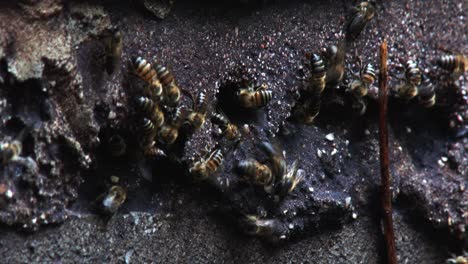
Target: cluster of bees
[(161, 115)]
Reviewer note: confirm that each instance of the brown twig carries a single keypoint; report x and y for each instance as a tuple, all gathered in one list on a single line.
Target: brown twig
[(384, 162)]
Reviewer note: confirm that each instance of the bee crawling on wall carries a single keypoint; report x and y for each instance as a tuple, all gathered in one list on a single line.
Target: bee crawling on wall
[(271, 229), (110, 201), (151, 110), (318, 74), (426, 92), (463, 259), (361, 15), (367, 75), (286, 177), (148, 134), (169, 132), (256, 172), (409, 88), (306, 112), (114, 45), (360, 87), (335, 63), (205, 168), (457, 64), (229, 130), (171, 89), (196, 118), (145, 71), (254, 97)]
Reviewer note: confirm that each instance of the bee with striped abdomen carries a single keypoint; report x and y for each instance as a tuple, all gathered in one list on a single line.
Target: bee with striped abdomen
[(145, 71), (254, 97), (360, 86), (196, 118), (171, 90), (457, 64), (112, 200), (413, 73), (318, 74), (361, 15), (426, 92), (256, 172), (151, 110), (409, 88), (113, 51), (10, 150), (169, 132), (205, 168), (229, 130)]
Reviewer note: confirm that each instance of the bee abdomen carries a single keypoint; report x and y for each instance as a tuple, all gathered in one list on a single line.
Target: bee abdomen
[(318, 73), (263, 97), (368, 75), (10, 150), (147, 126), (413, 73), (145, 104), (427, 94), (447, 62), (201, 101), (215, 160), (164, 75), (220, 120)]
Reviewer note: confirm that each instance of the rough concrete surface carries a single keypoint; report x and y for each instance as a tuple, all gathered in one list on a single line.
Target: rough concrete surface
[(56, 94)]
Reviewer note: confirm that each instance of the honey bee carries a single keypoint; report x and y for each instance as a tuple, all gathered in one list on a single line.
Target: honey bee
[(113, 51), (145, 71), (256, 172), (254, 97), (149, 132), (271, 229), (409, 88), (205, 168), (171, 90), (361, 15), (367, 76), (318, 74), (152, 110), (287, 177), (413, 73), (458, 64), (117, 145), (427, 96), (111, 201), (169, 132), (458, 259), (197, 117), (290, 179), (229, 130), (335, 65), (10, 150), (307, 111)]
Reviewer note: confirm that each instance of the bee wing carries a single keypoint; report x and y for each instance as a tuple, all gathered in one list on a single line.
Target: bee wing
[(276, 157)]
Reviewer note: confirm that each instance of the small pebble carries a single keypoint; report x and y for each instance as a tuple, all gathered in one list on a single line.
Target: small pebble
[(347, 202), (330, 137), (291, 226), (9, 194), (444, 159), (319, 153), (441, 163), (334, 151), (311, 189), (354, 216), (367, 132), (408, 130)]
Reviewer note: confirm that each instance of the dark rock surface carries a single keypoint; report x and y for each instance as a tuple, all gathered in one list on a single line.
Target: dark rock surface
[(54, 87)]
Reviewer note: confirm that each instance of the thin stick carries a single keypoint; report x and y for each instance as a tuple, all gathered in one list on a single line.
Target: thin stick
[(384, 162)]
